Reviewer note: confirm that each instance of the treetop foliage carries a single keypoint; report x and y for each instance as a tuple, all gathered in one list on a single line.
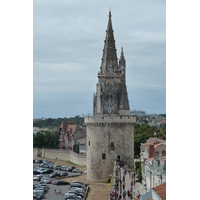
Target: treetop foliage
[(55, 123)]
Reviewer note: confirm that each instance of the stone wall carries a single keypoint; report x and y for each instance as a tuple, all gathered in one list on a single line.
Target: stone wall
[(99, 139), (61, 154)]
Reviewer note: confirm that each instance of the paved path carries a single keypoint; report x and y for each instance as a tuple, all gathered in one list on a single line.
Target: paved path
[(128, 184)]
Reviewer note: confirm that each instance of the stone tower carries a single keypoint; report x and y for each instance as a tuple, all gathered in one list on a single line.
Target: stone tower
[(110, 131)]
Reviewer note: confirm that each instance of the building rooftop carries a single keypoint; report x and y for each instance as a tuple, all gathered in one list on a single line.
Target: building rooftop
[(161, 191)]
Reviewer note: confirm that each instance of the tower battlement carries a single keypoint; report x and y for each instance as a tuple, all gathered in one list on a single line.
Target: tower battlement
[(109, 119)]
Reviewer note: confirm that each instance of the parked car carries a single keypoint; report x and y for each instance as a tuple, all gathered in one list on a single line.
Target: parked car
[(35, 178), (73, 167), (41, 182), (69, 169), (54, 174), (76, 170), (79, 182), (38, 192), (71, 196), (36, 197), (80, 190), (55, 181), (62, 168), (61, 182), (52, 181), (57, 167), (50, 166), (38, 161), (76, 193), (39, 177), (41, 164), (63, 174), (78, 185), (35, 172), (47, 181), (45, 186), (41, 170), (47, 171)]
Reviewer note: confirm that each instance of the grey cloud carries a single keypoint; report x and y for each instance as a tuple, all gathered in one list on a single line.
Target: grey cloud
[(68, 38)]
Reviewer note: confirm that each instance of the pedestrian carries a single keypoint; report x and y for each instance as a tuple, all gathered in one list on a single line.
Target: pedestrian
[(54, 191), (138, 194), (119, 167), (123, 186), (124, 194), (131, 195), (129, 170), (128, 192), (120, 196)]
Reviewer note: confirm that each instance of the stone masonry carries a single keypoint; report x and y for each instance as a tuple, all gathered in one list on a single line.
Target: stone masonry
[(110, 131)]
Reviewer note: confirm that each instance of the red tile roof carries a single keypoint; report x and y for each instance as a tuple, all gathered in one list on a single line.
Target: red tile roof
[(163, 121), (161, 191), (71, 127)]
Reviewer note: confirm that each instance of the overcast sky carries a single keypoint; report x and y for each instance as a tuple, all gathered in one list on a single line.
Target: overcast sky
[(68, 38)]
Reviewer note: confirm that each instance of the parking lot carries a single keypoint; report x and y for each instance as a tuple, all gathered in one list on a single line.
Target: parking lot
[(50, 194)]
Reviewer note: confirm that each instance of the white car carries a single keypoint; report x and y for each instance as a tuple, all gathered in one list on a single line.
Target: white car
[(41, 170), (35, 178), (76, 171), (80, 190)]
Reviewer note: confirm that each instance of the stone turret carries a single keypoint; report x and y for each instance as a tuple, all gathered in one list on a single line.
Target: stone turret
[(110, 132)]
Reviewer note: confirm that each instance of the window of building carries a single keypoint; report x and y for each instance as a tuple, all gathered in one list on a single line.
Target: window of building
[(112, 145), (103, 156), (61, 143), (70, 144)]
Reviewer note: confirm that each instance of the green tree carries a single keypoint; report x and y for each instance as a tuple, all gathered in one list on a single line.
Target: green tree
[(38, 140), (138, 170), (48, 138)]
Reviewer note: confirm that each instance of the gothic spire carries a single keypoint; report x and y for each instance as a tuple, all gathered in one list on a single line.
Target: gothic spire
[(109, 58)]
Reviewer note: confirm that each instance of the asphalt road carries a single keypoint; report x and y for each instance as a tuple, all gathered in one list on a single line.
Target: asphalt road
[(50, 194)]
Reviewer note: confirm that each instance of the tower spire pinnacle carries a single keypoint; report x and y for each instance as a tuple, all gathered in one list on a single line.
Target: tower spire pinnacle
[(109, 58)]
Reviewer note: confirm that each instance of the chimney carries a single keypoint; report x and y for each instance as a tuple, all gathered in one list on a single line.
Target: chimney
[(151, 150)]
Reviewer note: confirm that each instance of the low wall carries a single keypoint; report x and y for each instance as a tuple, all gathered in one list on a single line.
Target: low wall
[(61, 154)]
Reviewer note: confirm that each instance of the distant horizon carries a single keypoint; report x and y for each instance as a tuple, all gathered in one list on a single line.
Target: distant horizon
[(81, 115)]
